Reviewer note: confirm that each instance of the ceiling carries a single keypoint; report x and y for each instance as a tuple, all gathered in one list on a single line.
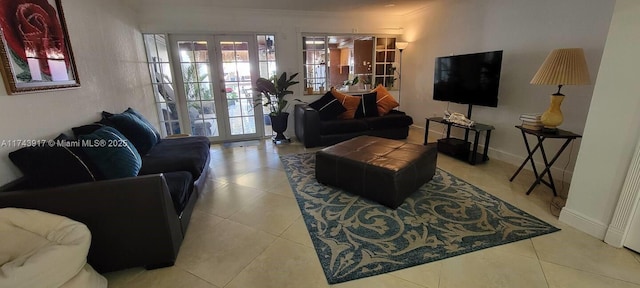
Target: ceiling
[(390, 7)]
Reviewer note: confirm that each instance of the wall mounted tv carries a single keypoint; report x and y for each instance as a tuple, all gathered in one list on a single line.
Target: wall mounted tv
[(468, 79)]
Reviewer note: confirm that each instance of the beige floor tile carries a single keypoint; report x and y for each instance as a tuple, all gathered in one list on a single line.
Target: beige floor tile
[(487, 268), (283, 264), (261, 178), (169, 277), (202, 222), (282, 188), (270, 213), (228, 199), (220, 254), (578, 250), (248, 187), (378, 281), (427, 275), (522, 248), (298, 233), (636, 255), (564, 277), (123, 278)]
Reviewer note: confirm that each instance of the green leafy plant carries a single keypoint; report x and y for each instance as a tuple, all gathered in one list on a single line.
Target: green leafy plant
[(352, 82), (273, 91)]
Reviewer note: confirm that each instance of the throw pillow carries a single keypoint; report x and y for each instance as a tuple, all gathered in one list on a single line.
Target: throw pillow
[(139, 133), (328, 107), (349, 102), (368, 106), (106, 120), (55, 163), (385, 100), (112, 153), (86, 129), (137, 114)]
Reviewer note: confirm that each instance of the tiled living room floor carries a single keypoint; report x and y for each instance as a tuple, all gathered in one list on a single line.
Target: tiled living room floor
[(247, 231)]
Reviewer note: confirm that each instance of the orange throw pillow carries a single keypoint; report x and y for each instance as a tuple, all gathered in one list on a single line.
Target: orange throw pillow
[(384, 100), (349, 102)]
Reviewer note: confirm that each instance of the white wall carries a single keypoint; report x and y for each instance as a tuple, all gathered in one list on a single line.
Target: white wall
[(109, 54), (527, 31), (287, 26), (611, 132)]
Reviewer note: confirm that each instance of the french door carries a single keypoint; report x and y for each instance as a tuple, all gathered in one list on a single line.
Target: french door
[(214, 79)]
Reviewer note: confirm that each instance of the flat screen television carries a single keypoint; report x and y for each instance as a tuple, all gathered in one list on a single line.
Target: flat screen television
[(468, 79)]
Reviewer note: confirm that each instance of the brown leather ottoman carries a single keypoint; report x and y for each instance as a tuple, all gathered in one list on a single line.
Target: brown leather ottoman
[(383, 170)]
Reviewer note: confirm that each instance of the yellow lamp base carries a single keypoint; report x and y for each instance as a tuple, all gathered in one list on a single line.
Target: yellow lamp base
[(552, 118)]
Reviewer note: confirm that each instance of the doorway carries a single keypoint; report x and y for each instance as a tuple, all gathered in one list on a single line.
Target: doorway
[(215, 76)]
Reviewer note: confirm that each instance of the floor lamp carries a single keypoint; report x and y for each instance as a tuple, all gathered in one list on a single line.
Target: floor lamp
[(401, 45)]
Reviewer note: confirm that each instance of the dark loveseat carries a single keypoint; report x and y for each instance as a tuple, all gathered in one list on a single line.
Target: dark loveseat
[(134, 221), (313, 132)]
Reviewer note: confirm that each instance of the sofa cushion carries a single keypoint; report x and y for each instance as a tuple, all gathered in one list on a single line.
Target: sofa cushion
[(86, 129), (385, 100), (328, 107), (113, 154), (349, 102), (395, 119), (54, 165), (342, 126), (137, 131), (180, 186), (143, 119), (368, 106), (177, 154)]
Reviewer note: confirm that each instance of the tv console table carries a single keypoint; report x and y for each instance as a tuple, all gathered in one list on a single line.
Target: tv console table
[(473, 157)]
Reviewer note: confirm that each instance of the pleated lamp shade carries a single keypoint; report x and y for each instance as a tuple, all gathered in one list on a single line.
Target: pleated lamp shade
[(565, 66)]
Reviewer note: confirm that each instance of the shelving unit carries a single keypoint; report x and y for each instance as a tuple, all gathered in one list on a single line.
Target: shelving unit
[(459, 148)]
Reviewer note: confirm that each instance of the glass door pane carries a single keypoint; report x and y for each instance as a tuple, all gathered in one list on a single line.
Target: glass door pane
[(216, 75), (238, 65), (236, 69), (198, 87)]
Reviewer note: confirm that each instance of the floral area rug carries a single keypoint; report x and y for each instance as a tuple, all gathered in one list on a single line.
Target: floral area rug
[(356, 238)]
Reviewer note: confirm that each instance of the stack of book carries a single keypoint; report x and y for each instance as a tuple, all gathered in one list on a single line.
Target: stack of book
[(531, 121)]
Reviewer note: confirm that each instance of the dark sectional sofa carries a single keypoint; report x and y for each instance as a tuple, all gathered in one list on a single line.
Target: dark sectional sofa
[(134, 221), (313, 132)]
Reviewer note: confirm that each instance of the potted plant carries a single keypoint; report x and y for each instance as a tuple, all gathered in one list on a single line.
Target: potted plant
[(366, 82), (272, 93)]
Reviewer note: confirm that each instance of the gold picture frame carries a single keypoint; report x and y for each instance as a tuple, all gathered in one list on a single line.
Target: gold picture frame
[(36, 53)]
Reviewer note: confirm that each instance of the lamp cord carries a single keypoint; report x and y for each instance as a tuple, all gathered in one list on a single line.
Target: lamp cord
[(555, 202)]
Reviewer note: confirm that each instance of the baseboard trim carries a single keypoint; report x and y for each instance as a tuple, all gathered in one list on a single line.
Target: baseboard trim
[(614, 237), (583, 223)]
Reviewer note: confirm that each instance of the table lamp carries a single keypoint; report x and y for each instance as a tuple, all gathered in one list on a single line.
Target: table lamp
[(565, 66)]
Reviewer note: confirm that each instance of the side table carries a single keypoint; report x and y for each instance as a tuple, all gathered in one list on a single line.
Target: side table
[(541, 136)]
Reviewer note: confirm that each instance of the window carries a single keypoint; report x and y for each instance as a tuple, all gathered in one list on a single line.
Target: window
[(315, 58), (385, 61), (336, 61), (162, 82)]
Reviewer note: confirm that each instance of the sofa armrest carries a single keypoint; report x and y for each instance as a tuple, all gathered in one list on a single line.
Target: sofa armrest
[(307, 125), (132, 220)]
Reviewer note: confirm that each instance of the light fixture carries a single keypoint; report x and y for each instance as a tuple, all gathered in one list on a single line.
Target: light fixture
[(565, 66), (401, 45)]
